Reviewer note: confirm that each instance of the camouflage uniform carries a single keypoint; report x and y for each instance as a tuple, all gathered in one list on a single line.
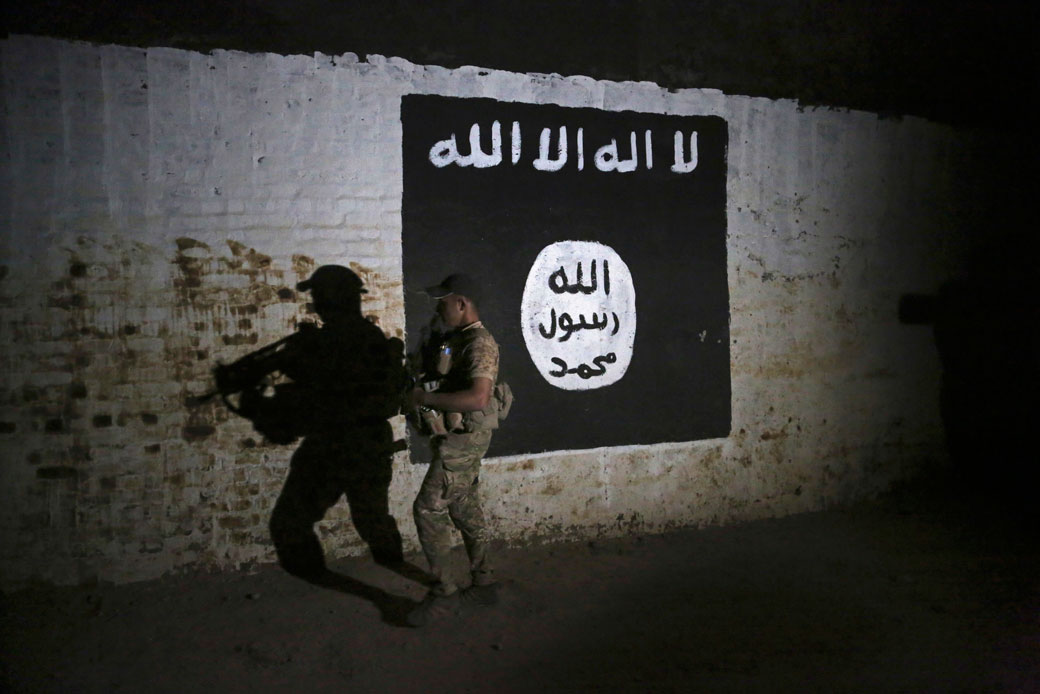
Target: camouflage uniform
[(450, 493)]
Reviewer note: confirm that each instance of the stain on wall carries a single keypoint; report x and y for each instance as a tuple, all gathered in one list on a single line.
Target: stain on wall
[(162, 205)]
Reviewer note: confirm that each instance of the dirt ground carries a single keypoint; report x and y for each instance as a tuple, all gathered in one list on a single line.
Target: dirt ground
[(905, 594)]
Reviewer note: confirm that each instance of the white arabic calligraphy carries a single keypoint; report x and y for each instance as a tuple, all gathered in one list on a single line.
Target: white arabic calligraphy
[(682, 164), (514, 142), (607, 157), (446, 152), (544, 162)]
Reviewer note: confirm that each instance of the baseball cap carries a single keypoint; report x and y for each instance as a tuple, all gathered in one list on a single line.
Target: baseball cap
[(459, 283)]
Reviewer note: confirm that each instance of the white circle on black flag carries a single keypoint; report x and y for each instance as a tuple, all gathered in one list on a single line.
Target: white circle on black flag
[(578, 315)]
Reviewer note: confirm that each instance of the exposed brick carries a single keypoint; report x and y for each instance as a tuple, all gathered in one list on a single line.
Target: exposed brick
[(231, 522), (197, 432)]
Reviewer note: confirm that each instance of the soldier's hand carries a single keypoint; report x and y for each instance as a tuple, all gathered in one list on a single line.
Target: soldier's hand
[(414, 399)]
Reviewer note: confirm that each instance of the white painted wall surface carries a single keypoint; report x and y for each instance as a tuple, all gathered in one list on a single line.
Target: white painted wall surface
[(157, 201)]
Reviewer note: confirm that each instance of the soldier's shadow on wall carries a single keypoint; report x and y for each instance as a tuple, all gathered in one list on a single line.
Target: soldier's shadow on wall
[(340, 384)]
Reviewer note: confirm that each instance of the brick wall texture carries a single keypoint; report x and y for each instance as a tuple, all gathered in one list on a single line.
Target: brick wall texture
[(160, 205)]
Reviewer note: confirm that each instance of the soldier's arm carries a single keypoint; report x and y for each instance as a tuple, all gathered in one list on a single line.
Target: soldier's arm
[(474, 398)]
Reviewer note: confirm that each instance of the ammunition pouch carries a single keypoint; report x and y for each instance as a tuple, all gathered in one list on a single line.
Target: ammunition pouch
[(489, 418), (504, 397), (430, 422)]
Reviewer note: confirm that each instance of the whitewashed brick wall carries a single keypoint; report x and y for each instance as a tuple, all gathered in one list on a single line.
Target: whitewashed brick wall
[(160, 206)]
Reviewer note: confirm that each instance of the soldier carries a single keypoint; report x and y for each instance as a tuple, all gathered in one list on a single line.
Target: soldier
[(449, 493)]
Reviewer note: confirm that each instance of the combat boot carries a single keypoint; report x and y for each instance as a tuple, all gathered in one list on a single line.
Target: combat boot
[(434, 607), (482, 596)]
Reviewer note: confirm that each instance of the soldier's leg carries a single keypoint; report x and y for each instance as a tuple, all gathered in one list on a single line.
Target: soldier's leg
[(434, 525), (465, 453), (468, 515)]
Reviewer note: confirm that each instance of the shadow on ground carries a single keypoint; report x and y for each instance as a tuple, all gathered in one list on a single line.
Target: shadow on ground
[(913, 593)]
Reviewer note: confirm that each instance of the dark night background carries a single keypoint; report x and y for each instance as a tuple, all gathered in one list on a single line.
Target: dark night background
[(957, 61)]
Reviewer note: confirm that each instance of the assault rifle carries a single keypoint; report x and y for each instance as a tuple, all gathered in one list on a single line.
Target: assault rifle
[(246, 375)]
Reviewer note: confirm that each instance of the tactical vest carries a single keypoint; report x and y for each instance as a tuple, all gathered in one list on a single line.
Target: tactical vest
[(469, 422)]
